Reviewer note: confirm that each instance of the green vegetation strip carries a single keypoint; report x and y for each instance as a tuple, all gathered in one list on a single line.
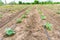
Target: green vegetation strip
[(47, 25)]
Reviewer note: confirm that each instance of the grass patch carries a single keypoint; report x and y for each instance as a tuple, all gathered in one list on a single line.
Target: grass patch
[(9, 31)]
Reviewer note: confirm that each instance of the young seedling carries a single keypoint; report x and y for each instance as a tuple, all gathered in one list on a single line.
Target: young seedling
[(19, 20), (9, 31), (48, 26), (43, 17), (23, 16)]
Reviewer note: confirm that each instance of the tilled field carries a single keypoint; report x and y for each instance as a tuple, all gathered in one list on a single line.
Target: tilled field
[(31, 27)]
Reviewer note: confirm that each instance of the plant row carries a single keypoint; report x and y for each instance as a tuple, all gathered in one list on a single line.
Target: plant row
[(47, 25)]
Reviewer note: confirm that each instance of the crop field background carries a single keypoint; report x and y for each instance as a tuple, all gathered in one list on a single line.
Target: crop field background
[(30, 22)]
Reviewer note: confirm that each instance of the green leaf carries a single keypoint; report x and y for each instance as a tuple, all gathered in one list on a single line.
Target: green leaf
[(48, 26), (23, 16), (43, 17), (9, 31)]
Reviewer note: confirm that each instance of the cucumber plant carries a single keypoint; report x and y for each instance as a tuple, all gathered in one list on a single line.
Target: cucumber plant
[(48, 26), (19, 20), (9, 31), (23, 16), (43, 17)]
